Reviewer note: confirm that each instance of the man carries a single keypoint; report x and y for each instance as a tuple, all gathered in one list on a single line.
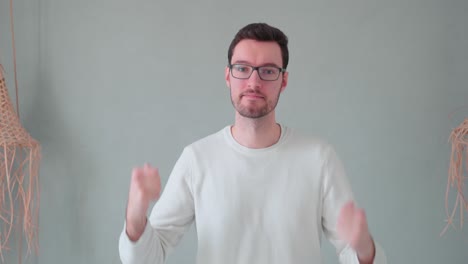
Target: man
[(259, 191)]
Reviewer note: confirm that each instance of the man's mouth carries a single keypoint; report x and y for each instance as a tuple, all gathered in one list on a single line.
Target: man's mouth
[(253, 96)]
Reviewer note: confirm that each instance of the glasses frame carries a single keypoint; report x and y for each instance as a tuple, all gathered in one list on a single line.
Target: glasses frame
[(281, 70)]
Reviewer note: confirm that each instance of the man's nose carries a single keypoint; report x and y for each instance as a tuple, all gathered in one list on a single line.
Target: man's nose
[(254, 80)]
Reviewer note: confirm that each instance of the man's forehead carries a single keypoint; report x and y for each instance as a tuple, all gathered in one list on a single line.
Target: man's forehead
[(254, 51)]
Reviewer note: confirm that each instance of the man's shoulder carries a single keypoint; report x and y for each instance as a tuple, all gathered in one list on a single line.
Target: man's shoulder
[(308, 144), (213, 139), (307, 139)]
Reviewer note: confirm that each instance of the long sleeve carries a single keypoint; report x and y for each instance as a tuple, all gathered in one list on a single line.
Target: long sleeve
[(336, 191), (170, 218)]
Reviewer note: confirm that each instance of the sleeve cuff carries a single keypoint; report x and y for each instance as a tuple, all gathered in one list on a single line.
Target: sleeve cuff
[(349, 256), (133, 250)]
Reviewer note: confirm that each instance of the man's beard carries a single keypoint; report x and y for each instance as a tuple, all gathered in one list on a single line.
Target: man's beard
[(255, 111)]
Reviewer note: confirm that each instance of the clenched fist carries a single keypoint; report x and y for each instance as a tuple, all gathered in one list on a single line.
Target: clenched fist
[(145, 187)]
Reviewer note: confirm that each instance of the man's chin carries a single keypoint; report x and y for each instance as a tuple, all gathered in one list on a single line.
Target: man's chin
[(250, 113)]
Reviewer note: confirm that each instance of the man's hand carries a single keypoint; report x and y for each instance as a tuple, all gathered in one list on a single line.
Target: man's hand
[(352, 228), (145, 187)]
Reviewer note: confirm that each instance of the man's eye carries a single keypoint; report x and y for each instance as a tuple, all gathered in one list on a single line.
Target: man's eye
[(241, 68), (269, 71)]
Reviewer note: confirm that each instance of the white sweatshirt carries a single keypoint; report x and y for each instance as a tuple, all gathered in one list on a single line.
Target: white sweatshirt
[(254, 206)]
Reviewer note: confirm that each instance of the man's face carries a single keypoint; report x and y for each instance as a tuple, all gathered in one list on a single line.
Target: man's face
[(254, 97)]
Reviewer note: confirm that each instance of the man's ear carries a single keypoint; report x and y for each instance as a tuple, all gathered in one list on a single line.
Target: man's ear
[(284, 82), (227, 77)]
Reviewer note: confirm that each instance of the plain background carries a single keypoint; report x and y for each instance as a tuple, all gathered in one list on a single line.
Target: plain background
[(106, 85)]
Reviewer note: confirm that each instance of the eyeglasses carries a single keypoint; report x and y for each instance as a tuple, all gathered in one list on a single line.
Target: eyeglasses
[(266, 73)]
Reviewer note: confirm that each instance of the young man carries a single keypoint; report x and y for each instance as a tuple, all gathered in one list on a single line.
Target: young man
[(259, 191)]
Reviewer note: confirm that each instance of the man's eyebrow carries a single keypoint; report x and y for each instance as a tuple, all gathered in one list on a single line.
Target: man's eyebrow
[(263, 64)]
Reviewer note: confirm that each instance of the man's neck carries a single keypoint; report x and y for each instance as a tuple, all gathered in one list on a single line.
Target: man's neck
[(256, 133)]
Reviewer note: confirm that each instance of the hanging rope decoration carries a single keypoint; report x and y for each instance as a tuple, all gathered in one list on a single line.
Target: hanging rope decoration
[(19, 170), (457, 174)]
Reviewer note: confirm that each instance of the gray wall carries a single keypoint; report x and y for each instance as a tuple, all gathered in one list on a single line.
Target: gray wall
[(107, 85)]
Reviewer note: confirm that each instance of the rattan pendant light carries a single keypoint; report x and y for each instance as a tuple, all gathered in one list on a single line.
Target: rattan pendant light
[(457, 175), (19, 170)]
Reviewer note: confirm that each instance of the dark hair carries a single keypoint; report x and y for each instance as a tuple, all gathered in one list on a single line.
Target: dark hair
[(261, 32)]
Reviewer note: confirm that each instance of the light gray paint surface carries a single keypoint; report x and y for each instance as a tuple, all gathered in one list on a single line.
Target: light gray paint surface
[(107, 85)]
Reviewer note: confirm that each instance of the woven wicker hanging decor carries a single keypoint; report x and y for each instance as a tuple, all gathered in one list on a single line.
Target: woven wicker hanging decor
[(19, 185), (19, 172), (457, 174)]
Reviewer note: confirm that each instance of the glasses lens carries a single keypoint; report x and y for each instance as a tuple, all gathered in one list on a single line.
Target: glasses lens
[(241, 71), (268, 73)]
